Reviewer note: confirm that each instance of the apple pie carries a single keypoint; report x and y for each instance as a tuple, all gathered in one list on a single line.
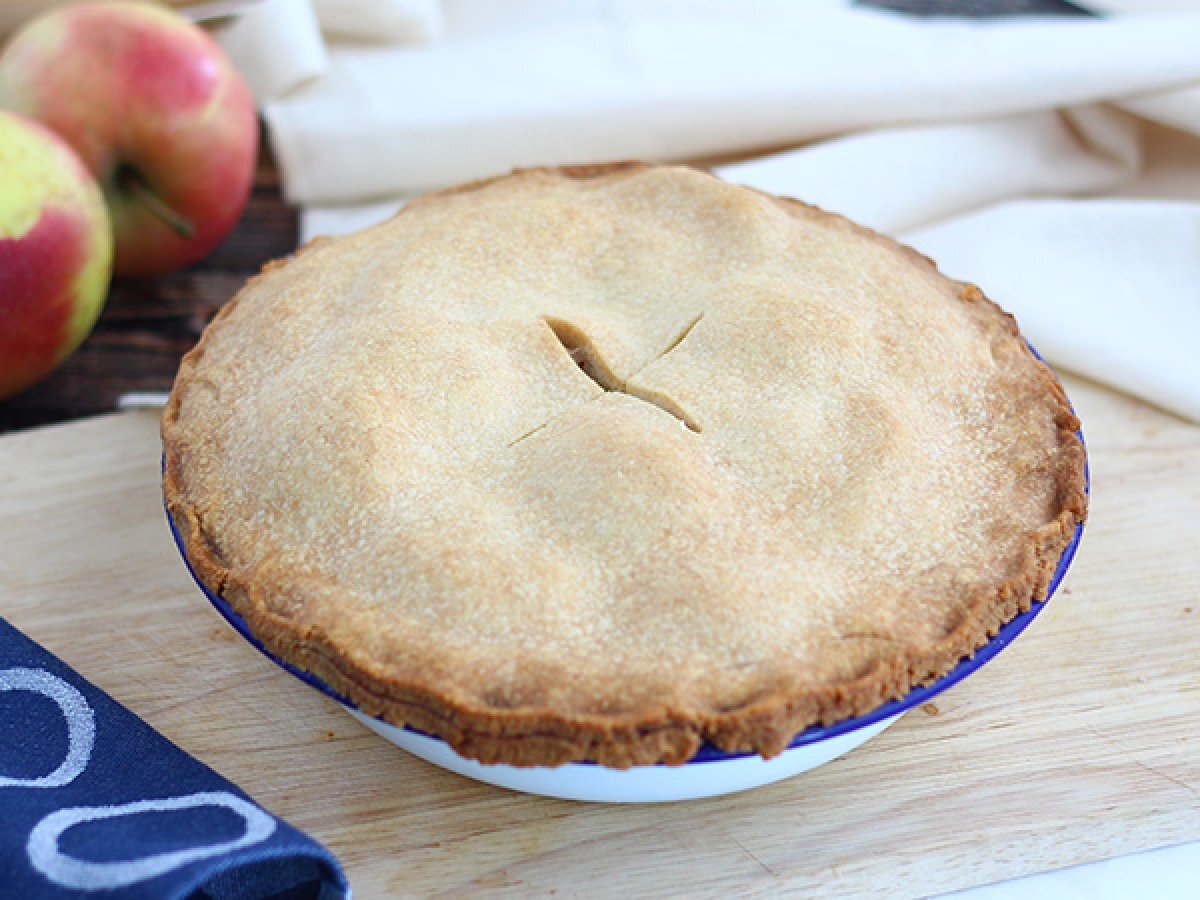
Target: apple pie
[(604, 463)]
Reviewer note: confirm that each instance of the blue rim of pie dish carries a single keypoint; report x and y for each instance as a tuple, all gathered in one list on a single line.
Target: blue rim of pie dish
[(708, 752)]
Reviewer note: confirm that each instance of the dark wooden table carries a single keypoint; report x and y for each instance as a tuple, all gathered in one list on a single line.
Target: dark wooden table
[(147, 325)]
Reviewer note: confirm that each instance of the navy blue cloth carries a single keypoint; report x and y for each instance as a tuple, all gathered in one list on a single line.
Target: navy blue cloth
[(94, 802)]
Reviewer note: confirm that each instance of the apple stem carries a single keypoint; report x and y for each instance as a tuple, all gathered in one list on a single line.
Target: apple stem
[(133, 181)]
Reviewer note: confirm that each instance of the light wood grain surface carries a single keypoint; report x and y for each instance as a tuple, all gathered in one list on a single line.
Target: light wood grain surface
[(1081, 741)]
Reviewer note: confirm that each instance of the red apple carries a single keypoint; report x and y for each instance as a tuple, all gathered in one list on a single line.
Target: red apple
[(157, 112), (55, 252)]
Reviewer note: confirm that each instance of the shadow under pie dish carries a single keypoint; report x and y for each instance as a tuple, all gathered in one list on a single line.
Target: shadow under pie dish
[(612, 463)]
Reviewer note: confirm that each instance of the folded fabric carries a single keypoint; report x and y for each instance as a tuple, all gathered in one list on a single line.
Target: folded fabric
[(380, 21), (276, 45), (279, 45), (669, 81), (901, 178), (92, 800)]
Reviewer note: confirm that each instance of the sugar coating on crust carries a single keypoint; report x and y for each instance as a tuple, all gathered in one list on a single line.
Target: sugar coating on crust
[(604, 463)]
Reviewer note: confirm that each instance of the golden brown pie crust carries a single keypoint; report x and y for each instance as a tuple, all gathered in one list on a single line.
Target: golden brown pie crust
[(804, 472)]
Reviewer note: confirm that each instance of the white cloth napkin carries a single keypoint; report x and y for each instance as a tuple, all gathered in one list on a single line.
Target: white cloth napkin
[(663, 80), (1017, 152), (279, 45), (380, 21), (276, 45)]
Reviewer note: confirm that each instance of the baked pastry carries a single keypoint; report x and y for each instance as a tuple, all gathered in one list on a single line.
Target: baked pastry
[(601, 463)]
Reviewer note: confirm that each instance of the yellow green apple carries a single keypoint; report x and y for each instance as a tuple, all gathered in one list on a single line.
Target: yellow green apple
[(154, 109), (55, 252)]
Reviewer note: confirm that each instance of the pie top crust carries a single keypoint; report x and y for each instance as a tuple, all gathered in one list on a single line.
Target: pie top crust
[(604, 462)]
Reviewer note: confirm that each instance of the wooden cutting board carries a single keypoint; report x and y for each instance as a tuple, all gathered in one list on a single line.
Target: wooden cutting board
[(1081, 741)]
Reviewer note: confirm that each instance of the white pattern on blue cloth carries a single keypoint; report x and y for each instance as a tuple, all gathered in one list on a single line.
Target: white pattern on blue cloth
[(81, 874), (81, 725)]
